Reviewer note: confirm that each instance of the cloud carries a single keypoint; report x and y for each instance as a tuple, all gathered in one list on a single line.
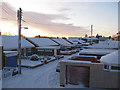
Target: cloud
[(43, 22)]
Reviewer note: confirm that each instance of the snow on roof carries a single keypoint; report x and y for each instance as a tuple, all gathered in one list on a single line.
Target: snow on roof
[(76, 40), (48, 47), (96, 51), (63, 42), (86, 38), (111, 58), (107, 44), (75, 61), (43, 42), (11, 42), (93, 38), (10, 53)]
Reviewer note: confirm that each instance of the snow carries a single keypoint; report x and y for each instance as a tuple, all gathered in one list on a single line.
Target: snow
[(41, 77), (75, 61), (76, 41), (43, 41), (85, 43), (10, 53), (65, 52), (63, 42), (111, 58), (11, 42), (48, 47), (85, 56), (108, 44), (30, 63), (96, 51), (86, 38), (93, 38), (44, 76)]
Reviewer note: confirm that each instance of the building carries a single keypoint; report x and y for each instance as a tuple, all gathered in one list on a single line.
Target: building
[(10, 43), (45, 46), (64, 44), (110, 61), (117, 36), (108, 44), (94, 74)]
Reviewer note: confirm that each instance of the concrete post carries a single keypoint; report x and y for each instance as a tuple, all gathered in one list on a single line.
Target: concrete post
[(55, 52)]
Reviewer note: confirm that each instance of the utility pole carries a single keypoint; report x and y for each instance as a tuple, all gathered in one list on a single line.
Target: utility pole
[(19, 16), (91, 32)]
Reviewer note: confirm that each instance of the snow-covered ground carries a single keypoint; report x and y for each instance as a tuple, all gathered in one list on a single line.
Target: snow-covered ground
[(30, 63), (42, 77)]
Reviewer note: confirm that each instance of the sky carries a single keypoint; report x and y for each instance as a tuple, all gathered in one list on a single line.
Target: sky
[(60, 18)]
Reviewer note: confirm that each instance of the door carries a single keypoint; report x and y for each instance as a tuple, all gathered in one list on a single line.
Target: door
[(78, 75)]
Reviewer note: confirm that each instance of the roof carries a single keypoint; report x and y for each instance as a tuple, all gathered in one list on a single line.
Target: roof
[(96, 51), (86, 38), (49, 47), (111, 58), (107, 44), (11, 42), (63, 42), (93, 38), (10, 53), (43, 42), (76, 40)]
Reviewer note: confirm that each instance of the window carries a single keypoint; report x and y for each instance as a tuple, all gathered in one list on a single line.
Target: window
[(106, 66), (115, 67)]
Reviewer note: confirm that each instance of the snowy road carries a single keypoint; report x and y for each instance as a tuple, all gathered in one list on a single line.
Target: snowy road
[(42, 77)]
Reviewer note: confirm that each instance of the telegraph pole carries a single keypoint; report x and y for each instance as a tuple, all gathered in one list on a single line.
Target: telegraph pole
[(19, 16), (91, 32)]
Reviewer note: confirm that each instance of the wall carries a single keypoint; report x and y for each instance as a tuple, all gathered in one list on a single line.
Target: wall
[(100, 78)]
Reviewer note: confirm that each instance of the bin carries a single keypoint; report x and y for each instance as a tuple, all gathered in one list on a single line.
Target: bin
[(10, 58)]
